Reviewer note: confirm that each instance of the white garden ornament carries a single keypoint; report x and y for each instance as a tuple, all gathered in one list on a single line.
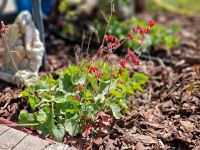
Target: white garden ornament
[(26, 48)]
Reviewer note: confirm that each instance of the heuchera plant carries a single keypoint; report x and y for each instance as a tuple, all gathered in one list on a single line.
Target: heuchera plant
[(85, 98)]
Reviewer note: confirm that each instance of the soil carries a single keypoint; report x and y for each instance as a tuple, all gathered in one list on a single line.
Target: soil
[(166, 114)]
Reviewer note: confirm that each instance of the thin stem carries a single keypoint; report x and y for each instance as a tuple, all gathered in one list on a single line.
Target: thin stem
[(110, 82), (89, 45), (13, 61)]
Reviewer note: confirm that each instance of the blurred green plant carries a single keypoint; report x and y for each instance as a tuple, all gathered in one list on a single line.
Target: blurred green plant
[(160, 35), (184, 7)]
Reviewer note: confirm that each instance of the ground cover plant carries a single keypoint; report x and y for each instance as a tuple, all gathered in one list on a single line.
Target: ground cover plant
[(83, 99)]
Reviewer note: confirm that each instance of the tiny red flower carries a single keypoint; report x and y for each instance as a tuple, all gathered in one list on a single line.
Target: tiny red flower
[(113, 75), (4, 28), (151, 23), (147, 31), (76, 97), (80, 87), (117, 42), (134, 30), (142, 31), (139, 27), (99, 75), (123, 62), (93, 69), (130, 36), (121, 82)]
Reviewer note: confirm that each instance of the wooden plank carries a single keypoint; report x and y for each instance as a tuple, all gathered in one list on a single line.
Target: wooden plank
[(10, 138), (3, 129), (67, 147), (57, 146), (31, 143)]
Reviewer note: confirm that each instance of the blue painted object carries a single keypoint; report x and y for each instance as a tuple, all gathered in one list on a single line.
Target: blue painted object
[(47, 6)]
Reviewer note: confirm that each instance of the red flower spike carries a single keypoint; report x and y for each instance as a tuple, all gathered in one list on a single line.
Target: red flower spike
[(4, 28), (130, 36), (123, 62), (151, 23), (134, 30)]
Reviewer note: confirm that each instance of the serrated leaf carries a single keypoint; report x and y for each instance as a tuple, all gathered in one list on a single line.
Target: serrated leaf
[(58, 132), (116, 110)]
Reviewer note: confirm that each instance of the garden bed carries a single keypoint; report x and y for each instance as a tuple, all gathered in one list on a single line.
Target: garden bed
[(166, 115)]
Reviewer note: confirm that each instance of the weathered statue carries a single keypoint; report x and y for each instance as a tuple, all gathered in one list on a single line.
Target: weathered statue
[(26, 48)]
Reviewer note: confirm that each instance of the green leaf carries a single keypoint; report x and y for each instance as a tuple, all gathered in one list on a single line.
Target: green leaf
[(72, 126), (25, 117), (47, 126), (115, 92), (89, 95), (58, 132), (41, 116), (140, 78), (137, 86), (72, 70), (60, 99), (115, 110), (129, 89), (100, 97), (25, 93), (33, 101), (66, 82), (93, 83)]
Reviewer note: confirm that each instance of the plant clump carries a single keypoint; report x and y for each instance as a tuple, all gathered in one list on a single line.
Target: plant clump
[(85, 98)]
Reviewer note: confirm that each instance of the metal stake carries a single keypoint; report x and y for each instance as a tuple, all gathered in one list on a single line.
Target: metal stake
[(38, 19)]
